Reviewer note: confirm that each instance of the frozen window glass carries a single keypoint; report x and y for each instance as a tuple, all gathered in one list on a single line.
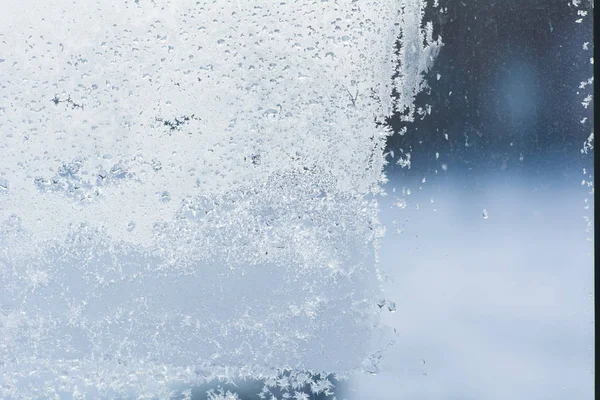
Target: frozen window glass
[(324, 199)]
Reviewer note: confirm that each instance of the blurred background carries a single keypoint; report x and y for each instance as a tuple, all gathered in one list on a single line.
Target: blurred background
[(489, 238)]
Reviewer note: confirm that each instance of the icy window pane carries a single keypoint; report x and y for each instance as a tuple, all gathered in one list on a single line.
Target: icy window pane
[(185, 188)]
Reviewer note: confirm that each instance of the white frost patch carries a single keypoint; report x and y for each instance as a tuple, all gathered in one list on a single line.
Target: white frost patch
[(183, 187), (588, 145)]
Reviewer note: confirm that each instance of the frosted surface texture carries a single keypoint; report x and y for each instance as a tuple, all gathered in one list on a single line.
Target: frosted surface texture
[(184, 187)]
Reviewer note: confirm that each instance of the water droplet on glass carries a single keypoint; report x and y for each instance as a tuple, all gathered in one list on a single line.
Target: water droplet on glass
[(485, 214), (165, 197), (255, 159), (117, 171), (270, 113), (42, 184), (391, 306), (102, 175), (156, 165), (70, 169), (130, 226)]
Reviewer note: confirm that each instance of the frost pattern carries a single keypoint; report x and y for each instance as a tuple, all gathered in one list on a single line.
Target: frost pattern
[(185, 189), (588, 145)]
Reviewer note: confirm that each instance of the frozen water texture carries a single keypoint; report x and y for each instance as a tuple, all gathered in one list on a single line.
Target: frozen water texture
[(184, 187)]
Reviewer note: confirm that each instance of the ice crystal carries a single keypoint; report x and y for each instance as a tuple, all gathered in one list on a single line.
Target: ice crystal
[(220, 394)]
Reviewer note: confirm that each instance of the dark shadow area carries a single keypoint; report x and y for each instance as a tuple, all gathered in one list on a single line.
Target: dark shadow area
[(505, 91)]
